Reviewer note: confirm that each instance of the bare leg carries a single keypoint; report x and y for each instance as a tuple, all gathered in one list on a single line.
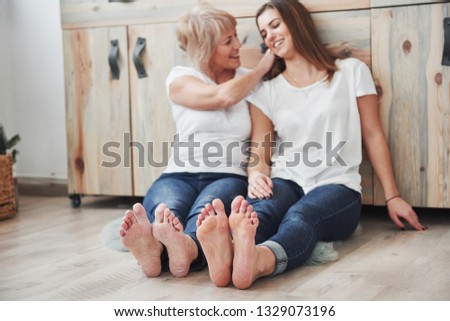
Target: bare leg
[(181, 248), (137, 235), (250, 262), (214, 235)]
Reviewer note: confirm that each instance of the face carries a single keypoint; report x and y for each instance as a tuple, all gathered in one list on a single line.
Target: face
[(275, 33), (226, 54)]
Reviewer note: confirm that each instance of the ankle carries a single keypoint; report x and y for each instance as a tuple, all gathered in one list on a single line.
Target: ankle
[(265, 262), (192, 248)]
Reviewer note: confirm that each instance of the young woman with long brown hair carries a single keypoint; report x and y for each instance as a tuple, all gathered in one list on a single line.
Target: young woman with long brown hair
[(320, 109)]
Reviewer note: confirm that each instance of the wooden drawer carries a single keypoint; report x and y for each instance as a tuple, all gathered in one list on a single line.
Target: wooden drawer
[(391, 3)]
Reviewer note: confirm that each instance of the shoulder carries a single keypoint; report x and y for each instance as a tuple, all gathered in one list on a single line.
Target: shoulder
[(349, 63), (184, 71), (352, 67), (180, 71)]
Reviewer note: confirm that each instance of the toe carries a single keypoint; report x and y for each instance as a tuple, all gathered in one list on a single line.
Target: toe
[(218, 206), (159, 212), (139, 211), (130, 218), (236, 204)]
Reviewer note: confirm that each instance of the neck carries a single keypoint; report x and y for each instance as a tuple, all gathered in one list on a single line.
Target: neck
[(300, 73), (221, 76)]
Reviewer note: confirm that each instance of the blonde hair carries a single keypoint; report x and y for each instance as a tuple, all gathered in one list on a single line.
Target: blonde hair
[(199, 32)]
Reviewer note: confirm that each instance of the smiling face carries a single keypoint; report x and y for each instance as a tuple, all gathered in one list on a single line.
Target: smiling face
[(226, 53), (275, 33)]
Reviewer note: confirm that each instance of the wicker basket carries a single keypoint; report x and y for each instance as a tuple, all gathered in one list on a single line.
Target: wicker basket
[(7, 188)]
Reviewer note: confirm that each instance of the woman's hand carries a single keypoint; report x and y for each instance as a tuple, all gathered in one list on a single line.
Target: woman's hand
[(400, 210), (266, 61), (259, 185)]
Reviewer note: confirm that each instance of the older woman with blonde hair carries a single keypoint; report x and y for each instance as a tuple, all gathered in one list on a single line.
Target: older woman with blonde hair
[(212, 121)]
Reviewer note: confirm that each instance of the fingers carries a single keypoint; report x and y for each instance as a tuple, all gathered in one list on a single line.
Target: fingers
[(398, 223), (400, 210), (413, 220), (260, 188)]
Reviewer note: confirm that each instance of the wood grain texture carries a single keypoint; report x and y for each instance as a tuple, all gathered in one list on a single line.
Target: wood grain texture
[(407, 47), (335, 5), (97, 13), (345, 34), (389, 3), (248, 8), (87, 15), (153, 126), (97, 111)]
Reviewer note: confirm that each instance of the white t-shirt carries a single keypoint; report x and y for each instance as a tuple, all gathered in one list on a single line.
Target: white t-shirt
[(209, 140), (318, 127)]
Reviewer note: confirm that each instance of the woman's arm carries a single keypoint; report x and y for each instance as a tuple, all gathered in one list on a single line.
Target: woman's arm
[(259, 182), (193, 93), (379, 155)]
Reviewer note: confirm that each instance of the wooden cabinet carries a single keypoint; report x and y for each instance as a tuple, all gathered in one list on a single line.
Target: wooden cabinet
[(119, 129), (97, 110), (407, 48), (400, 40)]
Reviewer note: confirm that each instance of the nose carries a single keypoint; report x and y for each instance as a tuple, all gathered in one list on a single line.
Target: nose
[(236, 43), (269, 35)]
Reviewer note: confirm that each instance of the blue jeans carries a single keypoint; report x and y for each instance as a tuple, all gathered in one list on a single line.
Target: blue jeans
[(291, 223), (186, 194)]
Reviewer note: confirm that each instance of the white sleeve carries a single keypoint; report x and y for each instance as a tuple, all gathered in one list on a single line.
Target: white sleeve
[(364, 81), (260, 98), (179, 71)]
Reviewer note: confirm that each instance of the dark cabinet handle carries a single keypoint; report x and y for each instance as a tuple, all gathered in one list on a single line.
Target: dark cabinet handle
[(446, 53), (113, 59), (140, 45)]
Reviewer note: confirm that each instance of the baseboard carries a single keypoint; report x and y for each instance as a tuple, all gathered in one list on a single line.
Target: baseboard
[(42, 186)]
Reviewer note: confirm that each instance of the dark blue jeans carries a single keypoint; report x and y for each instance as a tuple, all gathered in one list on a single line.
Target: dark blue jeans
[(186, 194), (291, 223)]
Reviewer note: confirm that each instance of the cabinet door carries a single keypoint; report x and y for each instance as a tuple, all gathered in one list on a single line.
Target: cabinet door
[(345, 34), (153, 127), (407, 44), (97, 112)]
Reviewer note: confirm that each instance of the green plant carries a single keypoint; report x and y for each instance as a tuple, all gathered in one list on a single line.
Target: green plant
[(6, 145)]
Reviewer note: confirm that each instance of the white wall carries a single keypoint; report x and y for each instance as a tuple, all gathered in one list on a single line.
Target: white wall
[(32, 85), (7, 116)]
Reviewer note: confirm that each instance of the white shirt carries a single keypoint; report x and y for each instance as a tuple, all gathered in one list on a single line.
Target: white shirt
[(209, 140), (318, 126)]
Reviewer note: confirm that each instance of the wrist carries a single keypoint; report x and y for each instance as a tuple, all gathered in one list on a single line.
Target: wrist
[(392, 198)]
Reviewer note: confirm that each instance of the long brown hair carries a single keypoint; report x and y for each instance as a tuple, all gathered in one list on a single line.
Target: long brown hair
[(304, 36)]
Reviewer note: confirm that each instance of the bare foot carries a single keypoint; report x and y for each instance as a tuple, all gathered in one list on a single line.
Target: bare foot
[(137, 236), (214, 235), (250, 262), (181, 248)]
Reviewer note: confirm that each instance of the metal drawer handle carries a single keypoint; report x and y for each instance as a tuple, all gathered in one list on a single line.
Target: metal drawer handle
[(113, 59), (140, 45), (446, 53)]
